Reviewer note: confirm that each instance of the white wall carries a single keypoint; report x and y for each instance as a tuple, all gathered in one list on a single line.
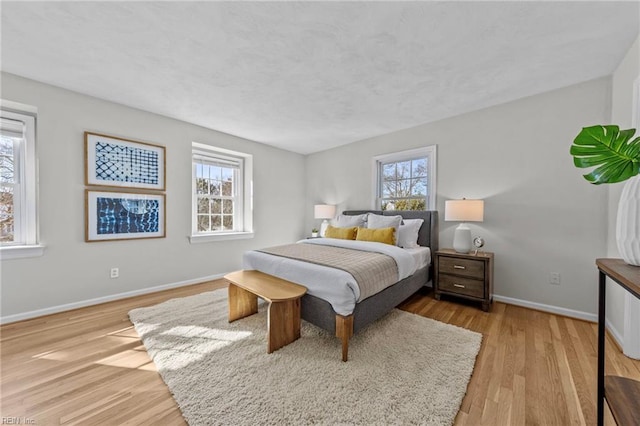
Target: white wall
[(72, 271), (621, 114), (540, 214)]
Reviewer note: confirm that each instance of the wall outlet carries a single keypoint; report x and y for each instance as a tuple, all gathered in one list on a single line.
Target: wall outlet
[(115, 273), (554, 278)]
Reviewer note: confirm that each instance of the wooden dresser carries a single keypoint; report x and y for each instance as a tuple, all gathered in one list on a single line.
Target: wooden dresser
[(469, 276)]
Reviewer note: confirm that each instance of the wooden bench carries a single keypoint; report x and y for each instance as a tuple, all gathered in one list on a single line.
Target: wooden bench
[(283, 319)]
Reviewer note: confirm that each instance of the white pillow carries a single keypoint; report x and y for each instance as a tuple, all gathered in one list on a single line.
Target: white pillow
[(408, 233), (345, 221), (375, 221)]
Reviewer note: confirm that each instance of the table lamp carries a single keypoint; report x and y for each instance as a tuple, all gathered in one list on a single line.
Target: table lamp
[(463, 211), (324, 211)]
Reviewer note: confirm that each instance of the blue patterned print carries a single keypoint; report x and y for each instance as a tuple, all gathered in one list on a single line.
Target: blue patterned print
[(119, 163), (127, 216)]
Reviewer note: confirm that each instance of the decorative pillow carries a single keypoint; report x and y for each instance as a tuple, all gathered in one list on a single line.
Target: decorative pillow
[(345, 221), (378, 235), (377, 221), (408, 233), (341, 233)]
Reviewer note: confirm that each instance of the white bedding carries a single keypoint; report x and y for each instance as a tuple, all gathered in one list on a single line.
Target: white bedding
[(422, 255), (336, 286)]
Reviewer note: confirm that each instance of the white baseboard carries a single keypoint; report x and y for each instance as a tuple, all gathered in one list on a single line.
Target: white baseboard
[(586, 316), (561, 311), (98, 300)]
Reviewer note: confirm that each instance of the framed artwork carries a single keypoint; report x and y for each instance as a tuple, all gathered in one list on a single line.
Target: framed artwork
[(112, 161), (121, 215)]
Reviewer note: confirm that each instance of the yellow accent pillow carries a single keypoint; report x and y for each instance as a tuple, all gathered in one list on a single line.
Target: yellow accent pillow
[(379, 235), (341, 233)]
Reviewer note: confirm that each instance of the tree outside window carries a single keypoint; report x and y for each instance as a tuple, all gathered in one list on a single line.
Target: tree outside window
[(7, 186), (404, 185), (216, 193)]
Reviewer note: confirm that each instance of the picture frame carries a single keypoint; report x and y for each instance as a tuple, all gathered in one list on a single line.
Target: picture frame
[(124, 215), (117, 162)]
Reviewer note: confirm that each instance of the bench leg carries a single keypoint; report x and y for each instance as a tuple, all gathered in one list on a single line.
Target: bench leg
[(283, 324), (241, 303), (344, 331)]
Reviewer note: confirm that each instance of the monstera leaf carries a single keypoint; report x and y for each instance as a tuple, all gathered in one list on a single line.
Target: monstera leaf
[(615, 157)]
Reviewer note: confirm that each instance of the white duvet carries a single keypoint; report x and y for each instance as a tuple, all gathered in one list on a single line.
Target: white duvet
[(336, 286)]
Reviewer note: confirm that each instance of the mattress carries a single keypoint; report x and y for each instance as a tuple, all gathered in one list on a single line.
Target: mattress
[(422, 256), (336, 286)]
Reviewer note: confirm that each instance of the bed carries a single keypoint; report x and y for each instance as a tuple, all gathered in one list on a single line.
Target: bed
[(345, 319)]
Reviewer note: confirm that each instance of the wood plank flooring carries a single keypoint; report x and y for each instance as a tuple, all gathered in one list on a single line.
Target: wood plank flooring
[(88, 366)]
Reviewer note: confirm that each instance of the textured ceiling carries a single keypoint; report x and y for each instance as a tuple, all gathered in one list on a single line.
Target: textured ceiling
[(308, 76)]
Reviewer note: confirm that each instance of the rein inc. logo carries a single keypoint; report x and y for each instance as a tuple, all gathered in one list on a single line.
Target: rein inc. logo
[(18, 421)]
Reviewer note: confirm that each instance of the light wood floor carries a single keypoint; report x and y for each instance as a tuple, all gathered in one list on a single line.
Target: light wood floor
[(88, 366)]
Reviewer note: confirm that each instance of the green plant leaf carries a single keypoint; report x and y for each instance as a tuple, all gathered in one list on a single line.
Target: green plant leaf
[(611, 151)]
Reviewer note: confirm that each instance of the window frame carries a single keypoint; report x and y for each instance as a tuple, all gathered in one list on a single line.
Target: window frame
[(243, 187), (26, 224), (428, 152)]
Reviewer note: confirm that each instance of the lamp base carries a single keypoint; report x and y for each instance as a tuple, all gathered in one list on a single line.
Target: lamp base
[(324, 225), (462, 239)]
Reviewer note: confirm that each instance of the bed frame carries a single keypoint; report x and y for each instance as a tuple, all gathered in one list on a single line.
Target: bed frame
[(320, 313)]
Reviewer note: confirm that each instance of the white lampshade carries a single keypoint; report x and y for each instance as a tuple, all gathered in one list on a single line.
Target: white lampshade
[(463, 211), (324, 211)]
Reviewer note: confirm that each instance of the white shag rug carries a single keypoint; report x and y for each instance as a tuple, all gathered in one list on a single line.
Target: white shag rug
[(402, 369)]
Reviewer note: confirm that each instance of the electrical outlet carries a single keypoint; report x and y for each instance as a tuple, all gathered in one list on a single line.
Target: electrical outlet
[(115, 272), (554, 278)]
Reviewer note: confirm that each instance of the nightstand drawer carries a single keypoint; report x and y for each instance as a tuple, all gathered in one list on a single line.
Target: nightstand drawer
[(460, 285), (466, 267)]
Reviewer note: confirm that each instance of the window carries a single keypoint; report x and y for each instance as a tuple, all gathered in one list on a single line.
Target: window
[(221, 194), (18, 186), (406, 180)]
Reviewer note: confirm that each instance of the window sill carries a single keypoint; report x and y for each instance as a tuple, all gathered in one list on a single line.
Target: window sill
[(207, 238), (21, 252)]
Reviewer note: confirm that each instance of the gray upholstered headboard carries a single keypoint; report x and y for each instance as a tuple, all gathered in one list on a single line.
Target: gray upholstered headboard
[(428, 234)]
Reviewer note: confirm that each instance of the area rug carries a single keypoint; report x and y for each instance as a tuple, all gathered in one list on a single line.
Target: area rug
[(402, 369)]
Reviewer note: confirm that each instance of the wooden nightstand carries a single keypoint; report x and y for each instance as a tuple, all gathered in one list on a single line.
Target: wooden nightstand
[(464, 275)]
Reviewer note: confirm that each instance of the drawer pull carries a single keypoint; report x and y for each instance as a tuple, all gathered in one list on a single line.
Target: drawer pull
[(458, 285), (458, 267)]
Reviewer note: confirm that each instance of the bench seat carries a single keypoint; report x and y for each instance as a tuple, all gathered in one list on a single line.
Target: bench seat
[(283, 318)]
